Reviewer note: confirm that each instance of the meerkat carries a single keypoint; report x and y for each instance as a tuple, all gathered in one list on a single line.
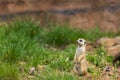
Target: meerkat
[(80, 62)]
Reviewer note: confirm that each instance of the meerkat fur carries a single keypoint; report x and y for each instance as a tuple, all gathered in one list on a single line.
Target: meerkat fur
[(80, 62)]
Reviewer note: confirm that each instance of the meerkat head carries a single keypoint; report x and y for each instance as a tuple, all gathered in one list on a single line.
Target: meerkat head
[(81, 42)]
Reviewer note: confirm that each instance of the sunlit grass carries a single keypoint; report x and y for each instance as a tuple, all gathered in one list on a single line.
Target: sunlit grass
[(26, 41), (8, 72)]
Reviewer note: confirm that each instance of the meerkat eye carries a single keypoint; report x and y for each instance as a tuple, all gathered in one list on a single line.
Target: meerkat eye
[(85, 42), (80, 40)]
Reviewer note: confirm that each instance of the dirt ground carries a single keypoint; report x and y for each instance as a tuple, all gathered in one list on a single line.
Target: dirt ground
[(84, 14)]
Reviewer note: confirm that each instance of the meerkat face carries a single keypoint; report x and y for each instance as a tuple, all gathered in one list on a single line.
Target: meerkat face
[(81, 42)]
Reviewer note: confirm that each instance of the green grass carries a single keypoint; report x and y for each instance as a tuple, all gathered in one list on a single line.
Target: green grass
[(55, 74), (63, 35), (29, 42), (99, 58), (8, 72)]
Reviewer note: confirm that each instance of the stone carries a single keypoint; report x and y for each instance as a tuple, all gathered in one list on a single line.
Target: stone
[(32, 71), (114, 51), (106, 42)]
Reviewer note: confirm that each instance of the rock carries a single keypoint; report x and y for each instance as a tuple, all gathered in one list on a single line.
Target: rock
[(115, 52), (117, 39), (107, 69), (112, 46), (32, 71), (106, 42)]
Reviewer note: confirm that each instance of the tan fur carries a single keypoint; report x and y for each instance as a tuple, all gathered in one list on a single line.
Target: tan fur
[(80, 66), (80, 62)]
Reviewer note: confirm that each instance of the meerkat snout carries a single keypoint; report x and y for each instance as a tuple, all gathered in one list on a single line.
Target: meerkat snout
[(81, 42)]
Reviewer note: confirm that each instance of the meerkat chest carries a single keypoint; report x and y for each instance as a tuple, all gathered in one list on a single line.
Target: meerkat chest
[(80, 50)]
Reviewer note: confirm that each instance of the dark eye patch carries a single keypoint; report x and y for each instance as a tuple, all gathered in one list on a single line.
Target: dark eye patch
[(85, 42), (80, 40)]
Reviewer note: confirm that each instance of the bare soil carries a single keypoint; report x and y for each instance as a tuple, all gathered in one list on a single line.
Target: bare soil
[(85, 14)]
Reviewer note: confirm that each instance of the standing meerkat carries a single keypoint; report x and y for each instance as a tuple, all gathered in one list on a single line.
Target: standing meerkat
[(80, 62)]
